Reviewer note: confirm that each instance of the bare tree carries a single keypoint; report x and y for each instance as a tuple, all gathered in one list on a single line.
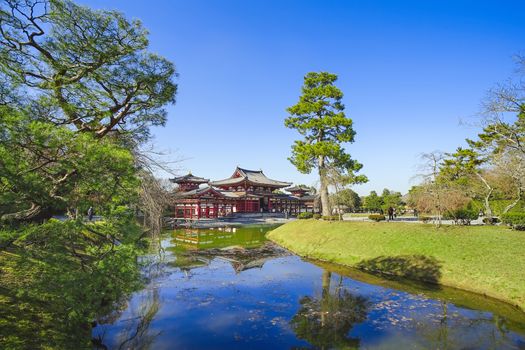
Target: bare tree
[(436, 195), (510, 166), (154, 194)]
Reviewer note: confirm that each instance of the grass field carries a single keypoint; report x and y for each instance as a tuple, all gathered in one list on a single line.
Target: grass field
[(485, 259)]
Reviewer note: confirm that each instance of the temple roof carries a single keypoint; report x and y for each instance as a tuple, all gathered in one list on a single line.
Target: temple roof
[(255, 177), (298, 188), (310, 197), (306, 198), (197, 192), (190, 178)]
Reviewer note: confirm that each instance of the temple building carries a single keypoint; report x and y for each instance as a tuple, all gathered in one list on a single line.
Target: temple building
[(246, 191)]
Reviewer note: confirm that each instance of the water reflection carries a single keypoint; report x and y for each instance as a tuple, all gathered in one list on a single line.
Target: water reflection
[(326, 321), (232, 290), (135, 331)]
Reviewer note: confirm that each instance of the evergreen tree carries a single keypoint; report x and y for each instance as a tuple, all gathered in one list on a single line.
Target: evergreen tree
[(319, 117)]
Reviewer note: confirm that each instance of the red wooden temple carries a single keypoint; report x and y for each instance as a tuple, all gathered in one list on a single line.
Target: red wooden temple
[(246, 191)]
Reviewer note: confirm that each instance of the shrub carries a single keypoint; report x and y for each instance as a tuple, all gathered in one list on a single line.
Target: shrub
[(317, 216), (376, 217), (305, 215), (461, 216), (425, 219), (331, 218), (7, 237), (491, 221), (515, 220)]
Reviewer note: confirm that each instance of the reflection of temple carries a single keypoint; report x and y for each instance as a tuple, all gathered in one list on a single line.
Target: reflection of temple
[(194, 239), (239, 266), (193, 259), (246, 191), (200, 247)]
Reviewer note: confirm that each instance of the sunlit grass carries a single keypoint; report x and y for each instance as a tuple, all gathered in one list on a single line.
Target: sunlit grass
[(485, 259)]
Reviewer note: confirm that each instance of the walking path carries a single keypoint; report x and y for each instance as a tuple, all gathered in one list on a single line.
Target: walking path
[(409, 219)]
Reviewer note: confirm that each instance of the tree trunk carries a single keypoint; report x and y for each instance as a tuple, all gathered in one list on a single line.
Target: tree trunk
[(24, 215), (513, 204), (338, 201), (323, 190), (488, 210), (327, 277)]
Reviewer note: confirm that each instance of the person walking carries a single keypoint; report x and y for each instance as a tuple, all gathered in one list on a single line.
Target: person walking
[(90, 213), (390, 213)]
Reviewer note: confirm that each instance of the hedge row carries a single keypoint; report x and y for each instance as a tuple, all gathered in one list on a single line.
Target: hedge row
[(305, 215), (516, 220), (331, 218), (461, 216), (376, 217), (308, 215)]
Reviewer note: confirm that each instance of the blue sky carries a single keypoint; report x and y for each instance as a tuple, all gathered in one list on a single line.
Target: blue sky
[(413, 74)]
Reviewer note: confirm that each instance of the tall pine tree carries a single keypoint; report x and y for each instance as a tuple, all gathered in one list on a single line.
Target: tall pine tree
[(319, 117)]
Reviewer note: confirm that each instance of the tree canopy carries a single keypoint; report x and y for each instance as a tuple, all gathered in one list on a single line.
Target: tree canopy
[(89, 70), (79, 91), (76, 76), (320, 119)]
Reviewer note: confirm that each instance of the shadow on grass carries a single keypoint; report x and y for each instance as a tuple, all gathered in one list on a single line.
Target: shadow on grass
[(414, 267)]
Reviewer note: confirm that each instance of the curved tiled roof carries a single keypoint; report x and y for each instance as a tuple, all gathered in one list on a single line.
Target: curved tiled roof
[(298, 188), (197, 192), (190, 178), (255, 177)]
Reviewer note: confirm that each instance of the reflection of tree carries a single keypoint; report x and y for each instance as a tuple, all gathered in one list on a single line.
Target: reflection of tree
[(137, 334), (450, 330), (325, 322)]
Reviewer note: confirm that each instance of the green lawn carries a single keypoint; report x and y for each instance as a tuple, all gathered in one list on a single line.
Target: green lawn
[(485, 259)]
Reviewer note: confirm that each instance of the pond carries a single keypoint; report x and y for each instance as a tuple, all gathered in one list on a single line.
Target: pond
[(231, 289)]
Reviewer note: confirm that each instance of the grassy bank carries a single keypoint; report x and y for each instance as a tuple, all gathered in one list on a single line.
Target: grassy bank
[(484, 259)]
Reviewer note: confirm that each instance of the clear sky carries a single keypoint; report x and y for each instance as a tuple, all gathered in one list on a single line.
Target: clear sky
[(411, 71)]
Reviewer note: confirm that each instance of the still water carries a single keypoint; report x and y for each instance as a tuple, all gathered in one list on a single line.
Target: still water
[(231, 289)]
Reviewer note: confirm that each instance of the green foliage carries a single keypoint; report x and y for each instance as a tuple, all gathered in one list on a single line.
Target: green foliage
[(326, 322), (373, 202), (78, 93), (316, 216), (87, 69), (461, 164), (331, 217), (54, 168), (462, 216), (305, 215), (391, 199), (347, 198), (7, 237), (65, 271), (499, 205), (376, 217), (516, 220), (320, 119)]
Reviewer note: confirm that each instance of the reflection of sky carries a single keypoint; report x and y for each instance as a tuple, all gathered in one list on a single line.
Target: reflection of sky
[(212, 307)]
